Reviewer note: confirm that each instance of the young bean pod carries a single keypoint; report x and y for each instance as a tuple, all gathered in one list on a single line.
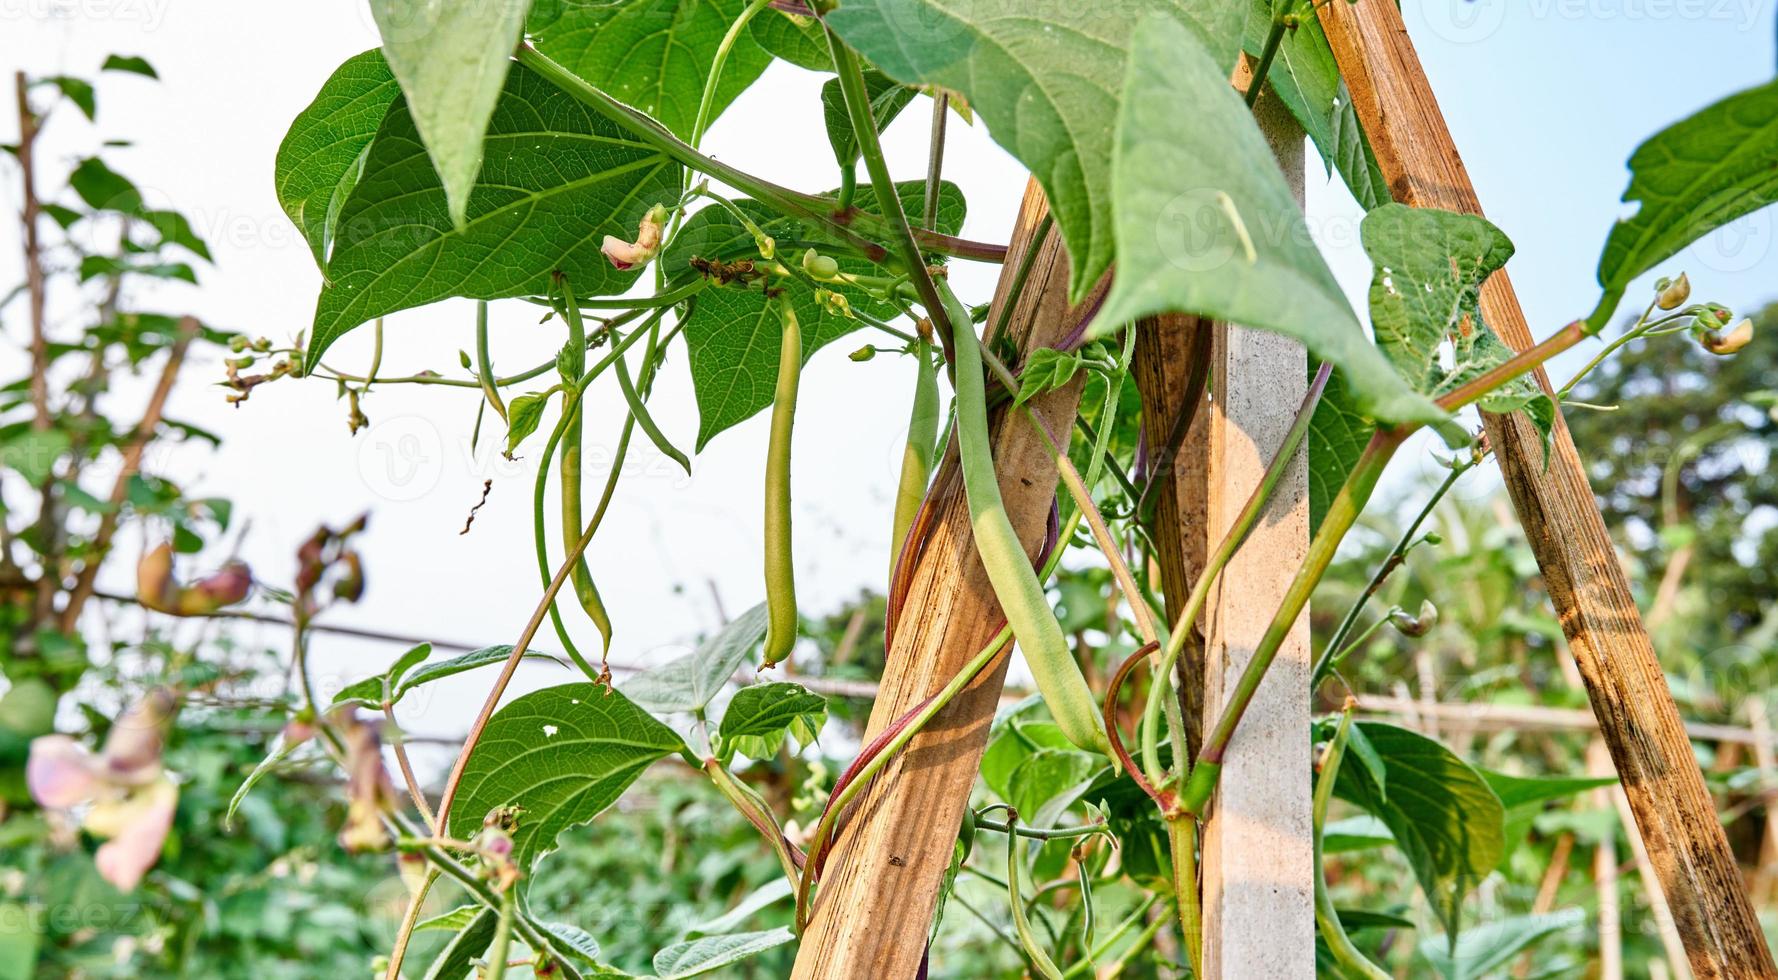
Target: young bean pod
[(916, 457), (572, 364), (781, 617), (1021, 596)]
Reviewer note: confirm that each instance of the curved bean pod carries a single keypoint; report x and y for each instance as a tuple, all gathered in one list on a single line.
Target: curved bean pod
[(1059, 679)]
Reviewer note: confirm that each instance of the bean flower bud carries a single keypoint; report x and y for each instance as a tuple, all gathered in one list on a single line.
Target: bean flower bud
[(1673, 293), (631, 255), (1726, 343), (226, 587), (863, 354), (1416, 626), (155, 588), (820, 266)]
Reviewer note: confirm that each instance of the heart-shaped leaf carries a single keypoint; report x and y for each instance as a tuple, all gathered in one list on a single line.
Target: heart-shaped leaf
[(759, 716), (319, 161), (691, 682)]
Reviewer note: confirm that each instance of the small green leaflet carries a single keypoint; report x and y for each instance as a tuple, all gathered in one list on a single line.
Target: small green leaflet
[(322, 154), (453, 920), (458, 956), (1442, 813), (1045, 77), (691, 682), (652, 54), (887, 98), (1206, 223), (701, 956), (795, 38), (1046, 370), (134, 64), (1426, 301), (522, 416), (280, 750), (556, 178), (378, 689), (562, 754), (759, 716), (1694, 177), (451, 60), (732, 333), (411, 671)]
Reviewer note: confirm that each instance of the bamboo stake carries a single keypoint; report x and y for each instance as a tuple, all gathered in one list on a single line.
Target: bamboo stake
[(1637, 717), (876, 898)]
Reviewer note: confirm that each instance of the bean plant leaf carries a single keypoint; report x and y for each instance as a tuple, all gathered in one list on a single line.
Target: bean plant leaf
[(1426, 307), (1047, 774), (1046, 370), (451, 60), (134, 64), (1524, 798), (887, 98), (1307, 80), (373, 691), (1045, 78), (765, 896), (691, 682), (1206, 223), (1360, 833), (651, 54), (733, 333), (322, 154), (457, 958), (1338, 432), (280, 750), (701, 956), (1441, 812), (522, 417), (1011, 746), (574, 941), (795, 38), (1487, 947), (760, 715), (557, 178), (562, 754), (1693, 177), (453, 920)]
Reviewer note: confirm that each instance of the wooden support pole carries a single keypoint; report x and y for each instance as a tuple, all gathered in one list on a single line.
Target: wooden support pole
[(1258, 859), (1637, 717), (876, 900)]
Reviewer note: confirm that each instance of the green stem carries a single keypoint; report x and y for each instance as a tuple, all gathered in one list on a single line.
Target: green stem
[(1340, 516), (757, 813), (484, 366), (856, 230), (1327, 919), (708, 100), (1225, 551), (1103, 946), (1641, 327), (502, 945), (1182, 841), (1040, 833), (1274, 38), (1040, 958), (870, 147), (1336, 644), (540, 531)]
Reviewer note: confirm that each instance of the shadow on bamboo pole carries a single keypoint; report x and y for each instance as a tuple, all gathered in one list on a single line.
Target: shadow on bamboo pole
[(876, 899), (1637, 717)]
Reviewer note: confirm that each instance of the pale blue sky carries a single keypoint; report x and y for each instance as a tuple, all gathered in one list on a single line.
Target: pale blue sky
[(1546, 98)]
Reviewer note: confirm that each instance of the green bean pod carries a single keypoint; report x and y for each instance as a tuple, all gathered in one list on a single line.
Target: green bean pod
[(1059, 679), (571, 366), (781, 617), (916, 457)]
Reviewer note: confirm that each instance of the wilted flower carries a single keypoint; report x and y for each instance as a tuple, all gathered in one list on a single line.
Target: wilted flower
[(630, 255), (158, 590), (1737, 337), (132, 799), (369, 794)]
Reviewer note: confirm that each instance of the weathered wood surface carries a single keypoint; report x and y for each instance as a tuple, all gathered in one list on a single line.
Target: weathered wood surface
[(875, 903), (1637, 716)]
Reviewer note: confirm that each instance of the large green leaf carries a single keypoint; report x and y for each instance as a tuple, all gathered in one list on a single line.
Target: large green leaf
[(556, 179), (1492, 945), (691, 682), (651, 54), (319, 160), (1694, 177), (795, 38), (760, 715), (1443, 815), (1307, 80), (1047, 774), (1045, 76), (1206, 223), (733, 333), (562, 754), (1426, 303), (701, 956), (451, 61)]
